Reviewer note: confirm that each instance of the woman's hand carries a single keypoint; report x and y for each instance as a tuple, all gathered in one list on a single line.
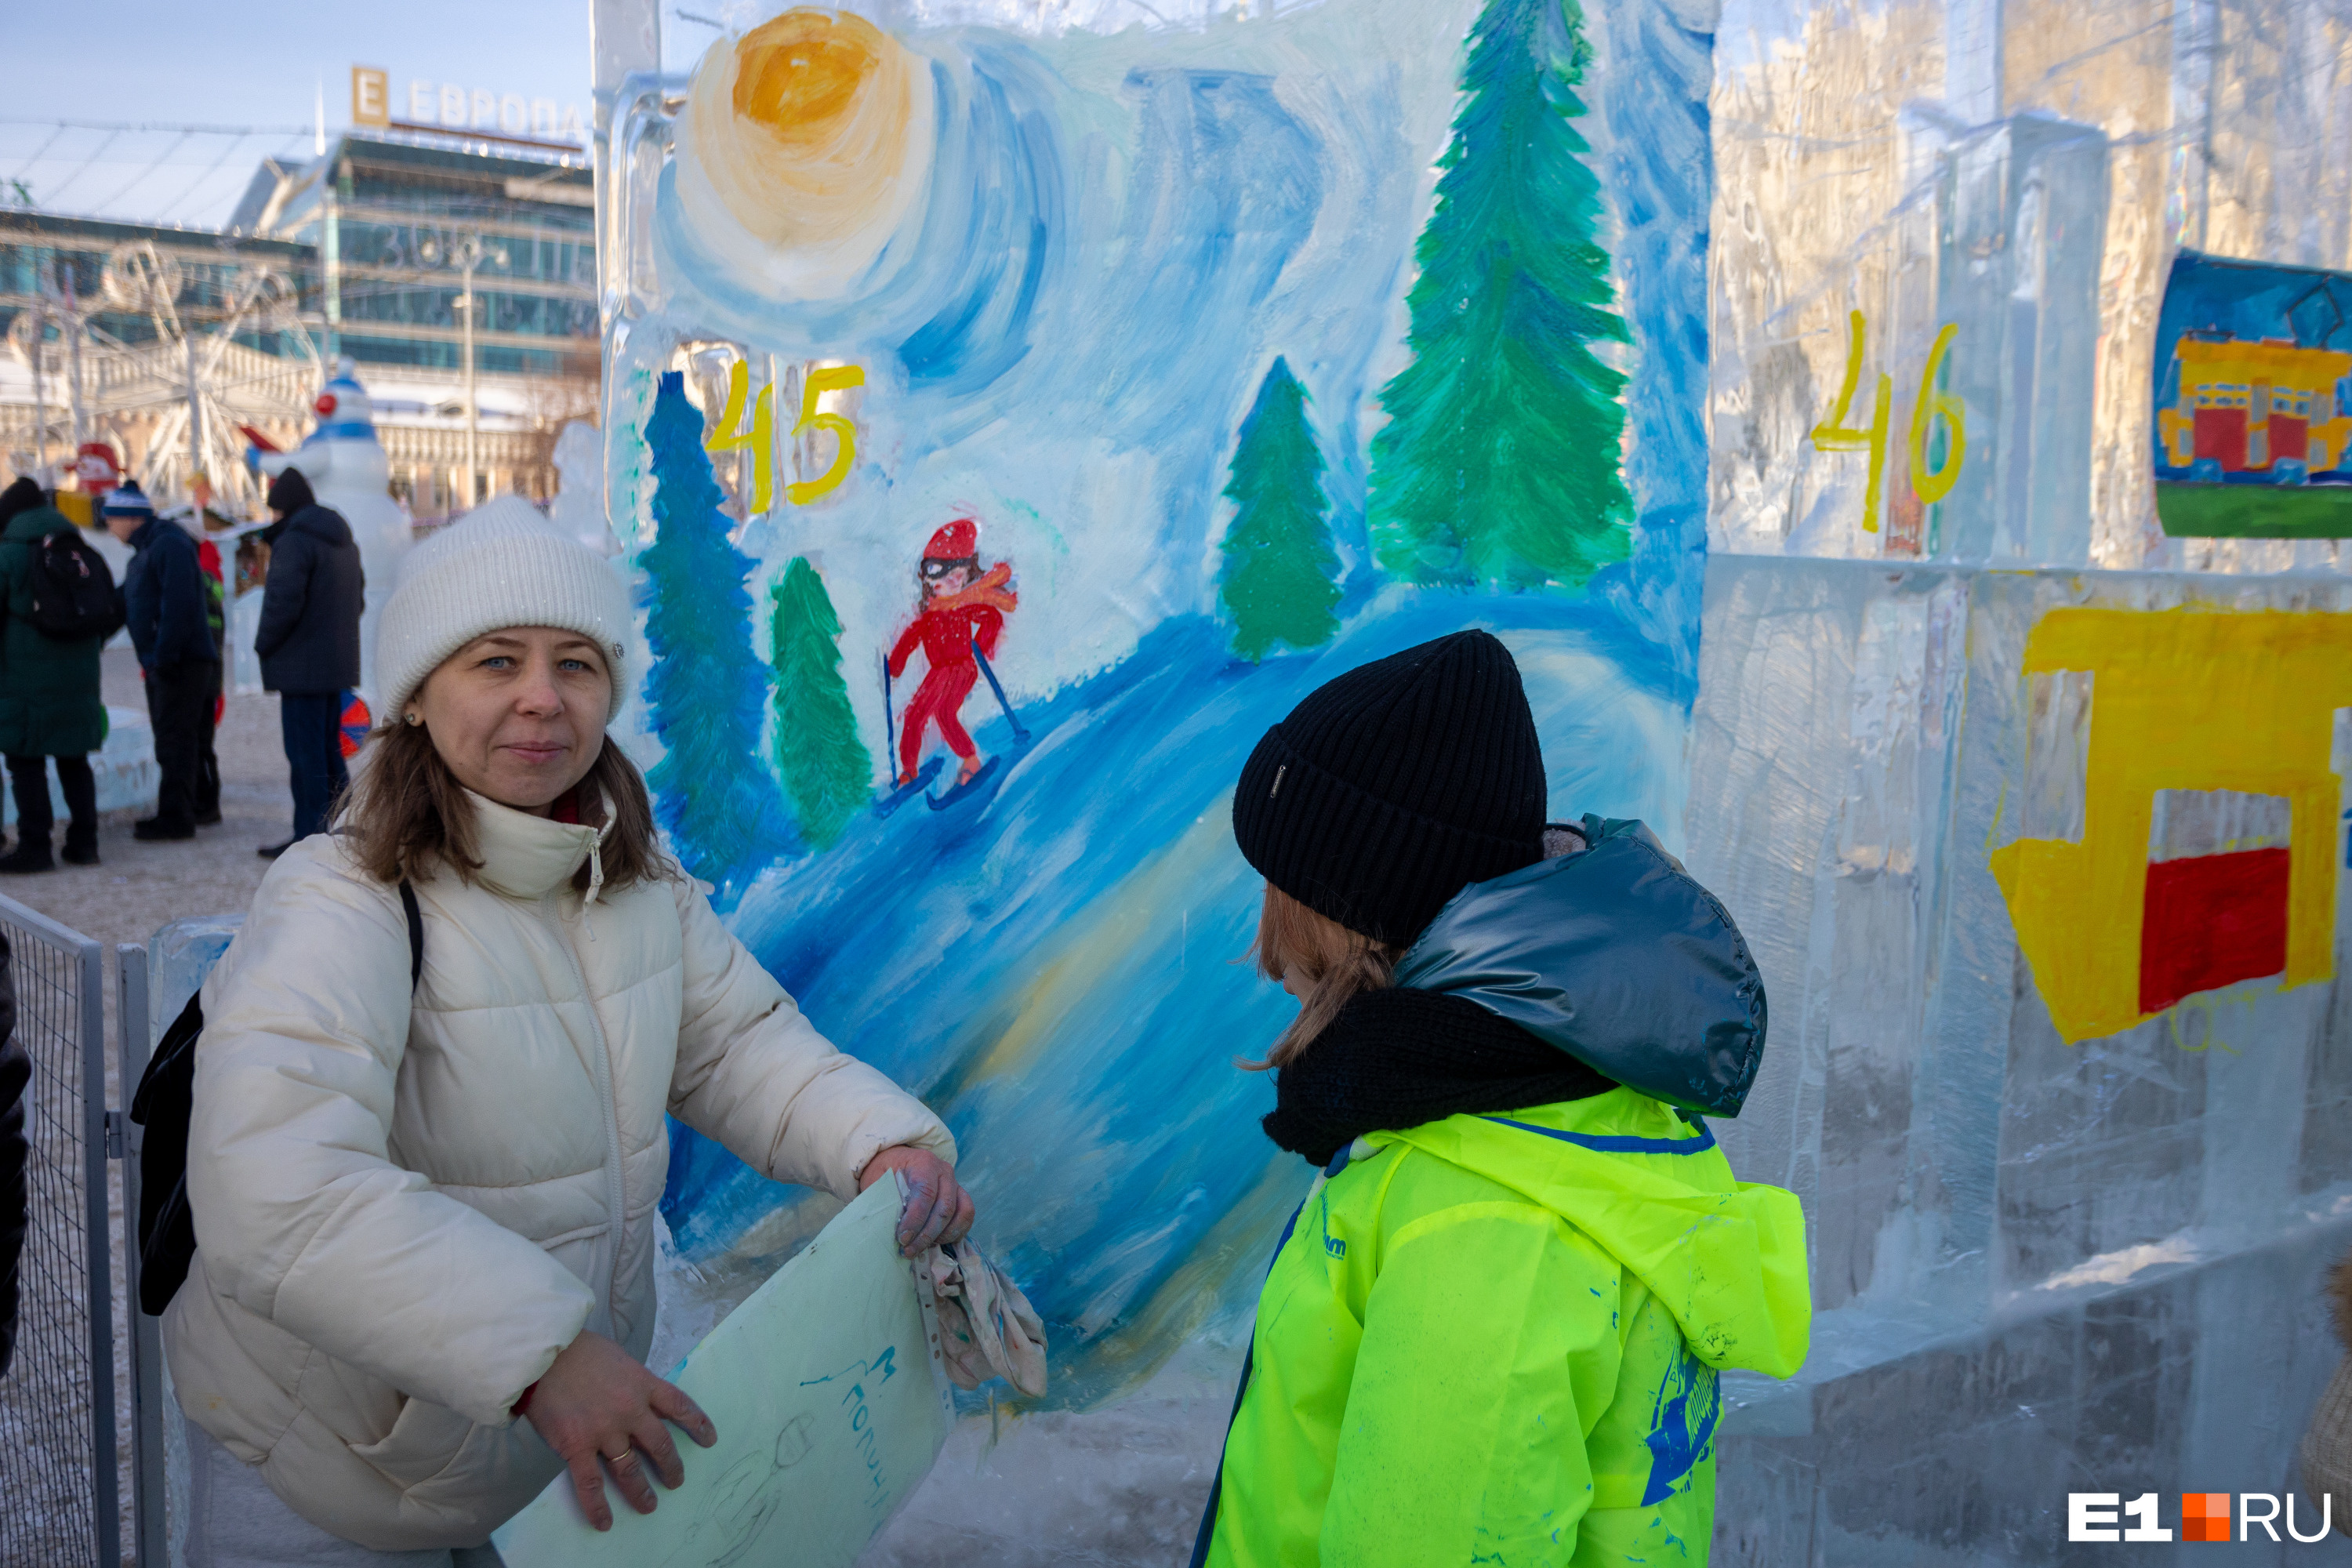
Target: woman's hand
[(938, 1210), (599, 1401)]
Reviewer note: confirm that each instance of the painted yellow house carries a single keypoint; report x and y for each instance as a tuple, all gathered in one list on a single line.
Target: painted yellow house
[(2194, 700), (2250, 404)]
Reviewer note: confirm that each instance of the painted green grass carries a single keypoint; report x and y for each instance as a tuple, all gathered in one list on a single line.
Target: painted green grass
[(2254, 511)]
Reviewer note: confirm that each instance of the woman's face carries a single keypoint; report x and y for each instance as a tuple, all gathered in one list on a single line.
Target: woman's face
[(518, 714)]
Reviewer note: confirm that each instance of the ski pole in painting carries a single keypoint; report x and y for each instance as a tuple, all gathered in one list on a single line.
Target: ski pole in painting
[(899, 795), (1020, 730), (960, 617)]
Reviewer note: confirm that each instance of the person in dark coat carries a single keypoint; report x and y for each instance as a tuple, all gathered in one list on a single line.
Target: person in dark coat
[(49, 701), (164, 593), (15, 1075), (308, 641)]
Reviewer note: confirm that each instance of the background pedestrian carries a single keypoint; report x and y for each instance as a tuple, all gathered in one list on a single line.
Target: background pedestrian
[(164, 593), (308, 641), (50, 704), (15, 1153)]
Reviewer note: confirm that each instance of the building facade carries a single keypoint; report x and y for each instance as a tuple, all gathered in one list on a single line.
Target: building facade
[(458, 272)]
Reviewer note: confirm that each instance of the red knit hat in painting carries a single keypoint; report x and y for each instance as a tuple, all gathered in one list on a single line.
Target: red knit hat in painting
[(959, 540)]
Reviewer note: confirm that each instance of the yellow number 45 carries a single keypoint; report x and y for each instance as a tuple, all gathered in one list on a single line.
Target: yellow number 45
[(830, 378), (757, 437)]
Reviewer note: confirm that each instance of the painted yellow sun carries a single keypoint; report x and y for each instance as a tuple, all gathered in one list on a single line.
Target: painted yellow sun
[(800, 75), (803, 143)]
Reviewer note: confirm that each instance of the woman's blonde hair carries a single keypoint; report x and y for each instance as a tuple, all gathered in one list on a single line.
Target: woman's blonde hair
[(407, 810), (1337, 965)]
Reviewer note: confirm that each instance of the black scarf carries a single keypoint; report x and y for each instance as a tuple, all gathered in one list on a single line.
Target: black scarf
[(1396, 1059)]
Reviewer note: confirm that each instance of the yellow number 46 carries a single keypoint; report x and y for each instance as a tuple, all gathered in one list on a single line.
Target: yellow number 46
[(1835, 435)]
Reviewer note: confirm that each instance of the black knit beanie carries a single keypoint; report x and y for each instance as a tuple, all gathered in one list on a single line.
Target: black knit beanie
[(1393, 787), (289, 493)]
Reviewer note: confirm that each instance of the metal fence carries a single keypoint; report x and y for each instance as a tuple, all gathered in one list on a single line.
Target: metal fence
[(135, 1031), (57, 1401)]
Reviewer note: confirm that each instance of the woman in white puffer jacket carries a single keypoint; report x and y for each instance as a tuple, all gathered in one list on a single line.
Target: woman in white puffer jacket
[(423, 1276)]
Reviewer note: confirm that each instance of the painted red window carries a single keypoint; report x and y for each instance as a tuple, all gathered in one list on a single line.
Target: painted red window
[(2290, 437), (2210, 921)]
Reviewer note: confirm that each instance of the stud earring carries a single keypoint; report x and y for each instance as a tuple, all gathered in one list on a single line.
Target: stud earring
[(415, 719)]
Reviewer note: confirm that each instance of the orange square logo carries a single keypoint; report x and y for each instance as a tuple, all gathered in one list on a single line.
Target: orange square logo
[(2205, 1516)]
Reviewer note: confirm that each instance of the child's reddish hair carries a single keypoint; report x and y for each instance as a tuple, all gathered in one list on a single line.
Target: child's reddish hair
[(1335, 966)]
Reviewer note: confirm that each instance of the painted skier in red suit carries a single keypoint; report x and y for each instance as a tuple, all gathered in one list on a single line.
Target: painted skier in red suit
[(960, 607)]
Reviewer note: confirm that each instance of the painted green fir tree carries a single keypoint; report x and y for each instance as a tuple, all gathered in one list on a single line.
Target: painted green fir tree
[(1279, 577), (1500, 462), (711, 791), (827, 769)]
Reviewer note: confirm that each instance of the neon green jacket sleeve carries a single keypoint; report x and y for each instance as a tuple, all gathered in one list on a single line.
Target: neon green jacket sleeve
[(1489, 1349)]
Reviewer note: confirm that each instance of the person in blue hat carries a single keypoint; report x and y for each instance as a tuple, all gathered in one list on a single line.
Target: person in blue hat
[(163, 594)]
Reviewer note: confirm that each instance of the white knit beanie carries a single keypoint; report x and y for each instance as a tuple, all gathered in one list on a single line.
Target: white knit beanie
[(501, 564)]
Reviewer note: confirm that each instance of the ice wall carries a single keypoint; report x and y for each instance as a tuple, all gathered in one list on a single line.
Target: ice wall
[(2021, 171), (2055, 1245), (2032, 1259)]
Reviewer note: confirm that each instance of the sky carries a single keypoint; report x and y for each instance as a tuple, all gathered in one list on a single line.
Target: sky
[(253, 63), (261, 66)]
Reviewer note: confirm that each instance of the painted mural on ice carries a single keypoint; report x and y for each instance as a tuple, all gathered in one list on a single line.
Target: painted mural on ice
[(1004, 428), (2253, 401)]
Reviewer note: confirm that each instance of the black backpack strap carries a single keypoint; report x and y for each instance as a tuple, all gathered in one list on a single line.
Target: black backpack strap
[(415, 932)]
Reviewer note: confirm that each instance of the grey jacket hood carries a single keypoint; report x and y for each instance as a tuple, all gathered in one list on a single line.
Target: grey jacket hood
[(1614, 954)]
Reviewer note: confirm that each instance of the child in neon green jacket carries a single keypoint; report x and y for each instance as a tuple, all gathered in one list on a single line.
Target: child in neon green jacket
[(1493, 1330)]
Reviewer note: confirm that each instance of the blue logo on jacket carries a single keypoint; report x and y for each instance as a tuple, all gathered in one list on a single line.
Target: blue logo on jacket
[(1682, 1424)]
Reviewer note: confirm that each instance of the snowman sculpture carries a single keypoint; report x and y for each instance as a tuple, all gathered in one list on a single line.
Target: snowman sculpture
[(347, 471)]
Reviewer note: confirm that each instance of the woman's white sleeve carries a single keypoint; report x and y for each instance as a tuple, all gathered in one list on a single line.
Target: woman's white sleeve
[(753, 1073), (300, 1214)]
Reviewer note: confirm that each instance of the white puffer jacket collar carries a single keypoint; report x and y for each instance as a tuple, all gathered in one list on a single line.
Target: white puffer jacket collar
[(527, 857), (406, 1204)]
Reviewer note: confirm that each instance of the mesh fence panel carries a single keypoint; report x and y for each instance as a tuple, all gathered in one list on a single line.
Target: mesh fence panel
[(47, 1416)]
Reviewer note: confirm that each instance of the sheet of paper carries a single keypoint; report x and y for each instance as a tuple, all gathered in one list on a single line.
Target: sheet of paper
[(831, 1403)]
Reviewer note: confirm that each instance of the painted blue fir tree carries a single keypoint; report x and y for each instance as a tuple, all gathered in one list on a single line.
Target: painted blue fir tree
[(707, 693)]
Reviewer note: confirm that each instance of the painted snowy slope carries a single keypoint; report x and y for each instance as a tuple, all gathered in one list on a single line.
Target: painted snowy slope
[(1054, 970)]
